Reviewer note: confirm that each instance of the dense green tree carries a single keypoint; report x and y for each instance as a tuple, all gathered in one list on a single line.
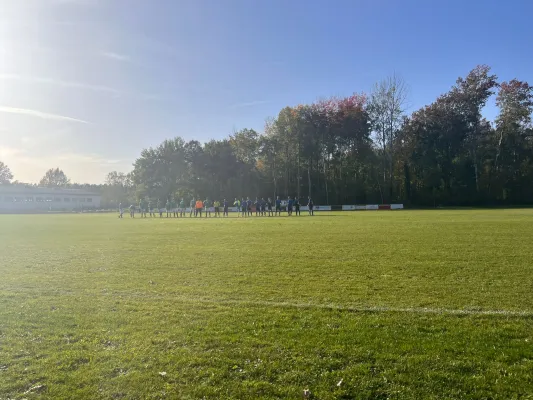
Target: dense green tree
[(513, 142), (360, 149)]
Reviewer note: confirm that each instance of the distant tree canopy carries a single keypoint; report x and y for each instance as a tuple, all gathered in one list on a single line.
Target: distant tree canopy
[(365, 149), (5, 174), (54, 178), (349, 150)]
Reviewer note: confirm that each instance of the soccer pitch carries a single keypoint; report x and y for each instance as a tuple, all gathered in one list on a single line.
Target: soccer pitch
[(362, 305)]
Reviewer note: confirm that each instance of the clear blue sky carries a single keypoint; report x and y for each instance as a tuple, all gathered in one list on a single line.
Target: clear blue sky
[(86, 84)]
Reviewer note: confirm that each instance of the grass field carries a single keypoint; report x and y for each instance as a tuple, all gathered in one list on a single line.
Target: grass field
[(368, 305)]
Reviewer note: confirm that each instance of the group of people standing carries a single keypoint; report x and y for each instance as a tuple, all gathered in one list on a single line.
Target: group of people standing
[(271, 208), (197, 207)]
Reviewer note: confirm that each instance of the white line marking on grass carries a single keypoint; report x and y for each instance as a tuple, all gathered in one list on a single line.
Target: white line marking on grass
[(280, 304), (362, 309)]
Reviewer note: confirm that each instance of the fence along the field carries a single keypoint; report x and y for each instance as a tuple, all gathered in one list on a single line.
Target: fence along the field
[(372, 207)]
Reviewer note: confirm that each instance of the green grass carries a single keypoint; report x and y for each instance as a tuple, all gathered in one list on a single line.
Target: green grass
[(398, 305)]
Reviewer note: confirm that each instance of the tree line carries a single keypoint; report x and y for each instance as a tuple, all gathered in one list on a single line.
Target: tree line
[(358, 149)]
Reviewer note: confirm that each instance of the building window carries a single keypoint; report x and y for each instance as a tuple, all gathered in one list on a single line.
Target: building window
[(82, 200), (39, 199), (57, 200), (8, 199), (66, 199), (48, 199), (19, 199), (89, 200), (29, 199), (74, 199)]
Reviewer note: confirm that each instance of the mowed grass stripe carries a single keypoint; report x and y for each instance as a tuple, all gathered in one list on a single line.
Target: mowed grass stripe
[(409, 304), (221, 351), (388, 259)]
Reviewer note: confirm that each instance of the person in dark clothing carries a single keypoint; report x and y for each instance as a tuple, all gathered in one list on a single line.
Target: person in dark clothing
[(225, 205), (278, 206), (249, 204), (269, 207), (297, 206), (290, 203), (311, 206), (244, 207), (263, 206)]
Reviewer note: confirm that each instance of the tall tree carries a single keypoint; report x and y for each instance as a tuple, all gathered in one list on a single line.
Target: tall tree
[(219, 170), (245, 144), (513, 165), (54, 178), (269, 160), (468, 97), (387, 106), (444, 143), (115, 178), (117, 189), (161, 172), (5, 174)]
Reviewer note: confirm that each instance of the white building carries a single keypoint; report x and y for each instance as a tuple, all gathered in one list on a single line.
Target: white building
[(16, 198)]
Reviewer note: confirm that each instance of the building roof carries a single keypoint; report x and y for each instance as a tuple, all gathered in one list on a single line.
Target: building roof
[(34, 191)]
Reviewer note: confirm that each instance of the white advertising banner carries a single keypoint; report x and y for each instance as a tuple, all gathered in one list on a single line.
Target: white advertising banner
[(322, 208), (372, 207), (360, 207), (396, 206), (348, 207)]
